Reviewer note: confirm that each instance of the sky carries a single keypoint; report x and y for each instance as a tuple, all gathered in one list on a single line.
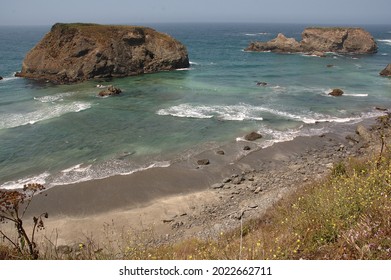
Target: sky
[(48, 12)]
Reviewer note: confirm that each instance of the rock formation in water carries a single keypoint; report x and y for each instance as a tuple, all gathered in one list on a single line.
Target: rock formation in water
[(77, 52), (319, 40), (386, 71)]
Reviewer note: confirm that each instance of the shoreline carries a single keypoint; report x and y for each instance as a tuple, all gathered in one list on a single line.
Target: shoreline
[(185, 199)]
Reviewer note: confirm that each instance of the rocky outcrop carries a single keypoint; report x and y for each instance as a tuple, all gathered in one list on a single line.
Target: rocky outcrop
[(319, 40), (77, 52), (386, 71), (111, 90), (336, 92), (252, 136)]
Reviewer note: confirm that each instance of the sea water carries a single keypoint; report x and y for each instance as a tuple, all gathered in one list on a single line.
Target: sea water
[(62, 134)]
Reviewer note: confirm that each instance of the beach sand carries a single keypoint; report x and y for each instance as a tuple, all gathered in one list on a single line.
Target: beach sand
[(186, 199)]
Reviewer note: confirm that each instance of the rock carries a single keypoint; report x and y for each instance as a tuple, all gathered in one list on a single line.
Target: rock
[(336, 92), (279, 44), (238, 180), (381, 108), (339, 40), (252, 136), (386, 71), (258, 190), (168, 220), (246, 148), (220, 152), (319, 40), (226, 180), (110, 91), (1, 78), (363, 132), (77, 52), (217, 186), (329, 65), (353, 138), (203, 162), (261, 84)]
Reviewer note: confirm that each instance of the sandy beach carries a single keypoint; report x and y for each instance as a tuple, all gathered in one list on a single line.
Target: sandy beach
[(187, 199)]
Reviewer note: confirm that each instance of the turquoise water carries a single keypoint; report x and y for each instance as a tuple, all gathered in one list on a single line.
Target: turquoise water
[(60, 134)]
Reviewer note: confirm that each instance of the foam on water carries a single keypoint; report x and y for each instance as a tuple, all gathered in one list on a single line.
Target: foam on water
[(229, 112), (386, 41), (247, 112), (54, 97), (45, 113), (82, 173), (18, 184)]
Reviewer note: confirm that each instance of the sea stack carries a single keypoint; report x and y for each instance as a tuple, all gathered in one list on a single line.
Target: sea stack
[(77, 52), (321, 40)]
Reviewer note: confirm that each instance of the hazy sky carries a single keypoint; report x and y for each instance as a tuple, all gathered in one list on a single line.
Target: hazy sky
[(47, 12)]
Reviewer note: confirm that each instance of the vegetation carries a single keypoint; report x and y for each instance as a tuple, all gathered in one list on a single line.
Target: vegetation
[(13, 206)]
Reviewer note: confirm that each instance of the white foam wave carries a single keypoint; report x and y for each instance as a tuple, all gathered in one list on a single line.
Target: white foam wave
[(231, 113), (248, 112), (193, 63), (183, 69), (18, 184), (386, 41), (80, 173), (54, 97), (357, 94), (256, 34), (46, 113), (6, 79), (384, 54)]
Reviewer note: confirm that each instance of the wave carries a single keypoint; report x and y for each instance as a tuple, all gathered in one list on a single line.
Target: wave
[(46, 113), (193, 63), (82, 173), (256, 34), (386, 41), (248, 112), (18, 184), (6, 79), (356, 94), (183, 69), (229, 113), (54, 97)]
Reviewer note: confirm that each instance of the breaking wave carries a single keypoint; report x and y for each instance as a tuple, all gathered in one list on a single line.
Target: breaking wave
[(48, 112), (248, 112)]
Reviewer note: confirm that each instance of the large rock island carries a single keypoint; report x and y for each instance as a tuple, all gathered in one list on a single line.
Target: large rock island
[(76, 52), (321, 39)]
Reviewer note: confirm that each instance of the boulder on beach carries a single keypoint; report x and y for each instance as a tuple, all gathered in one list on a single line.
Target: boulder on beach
[(386, 71), (318, 40), (252, 136), (111, 90), (77, 52), (336, 92), (203, 161)]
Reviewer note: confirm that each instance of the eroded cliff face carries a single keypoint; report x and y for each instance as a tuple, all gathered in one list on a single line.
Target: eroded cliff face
[(76, 52), (333, 39)]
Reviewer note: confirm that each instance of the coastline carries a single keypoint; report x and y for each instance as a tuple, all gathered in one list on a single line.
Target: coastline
[(185, 199)]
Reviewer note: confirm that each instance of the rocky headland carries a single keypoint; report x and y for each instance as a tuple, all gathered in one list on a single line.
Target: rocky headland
[(77, 52), (318, 40)]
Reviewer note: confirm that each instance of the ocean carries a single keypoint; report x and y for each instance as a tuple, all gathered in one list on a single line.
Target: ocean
[(63, 134)]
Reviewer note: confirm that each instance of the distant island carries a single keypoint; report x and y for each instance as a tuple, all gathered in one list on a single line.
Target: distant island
[(318, 40), (77, 52)]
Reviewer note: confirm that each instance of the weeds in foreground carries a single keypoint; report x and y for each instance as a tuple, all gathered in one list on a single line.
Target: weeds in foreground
[(13, 206)]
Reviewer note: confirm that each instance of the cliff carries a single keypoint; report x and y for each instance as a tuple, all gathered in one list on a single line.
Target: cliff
[(76, 52), (321, 39)]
